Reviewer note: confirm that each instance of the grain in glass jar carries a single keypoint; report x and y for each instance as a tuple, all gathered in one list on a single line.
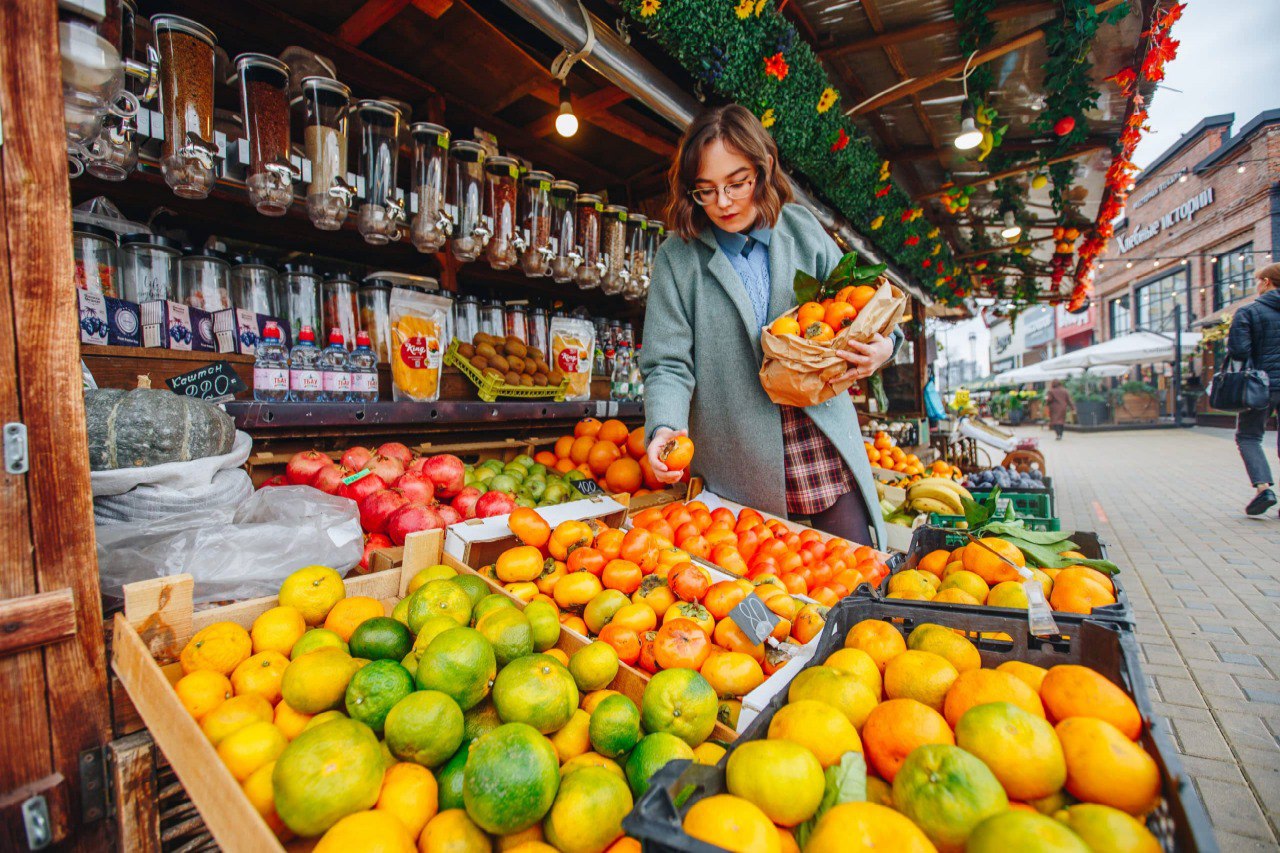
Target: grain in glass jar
[(500, 175), (614, 255), (535, 223), (588, 208), (338, 309), (493, 319), (186, 104), (265, 110), (539, 329), (637, 235), (374, 300), (564, 228), (326, 104), (430, 226), (515, 320), (204, 280), (381, 212), (148, 267), (94, 250), (255, 286), (466, 202), (300, 285)]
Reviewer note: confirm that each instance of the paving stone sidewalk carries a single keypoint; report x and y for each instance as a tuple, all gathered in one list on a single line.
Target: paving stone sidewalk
[(1204, 581)]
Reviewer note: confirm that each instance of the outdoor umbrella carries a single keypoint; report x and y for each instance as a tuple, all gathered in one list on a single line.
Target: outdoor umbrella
[(1039, 373), (1135, 348)]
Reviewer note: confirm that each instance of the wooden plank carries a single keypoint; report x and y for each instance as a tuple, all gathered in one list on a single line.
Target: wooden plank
[(1033, 166), (607, 121), (927, 29), (36, 620), (160, 611), (132, 763), (432, 8), (368, 19), (37, 208)]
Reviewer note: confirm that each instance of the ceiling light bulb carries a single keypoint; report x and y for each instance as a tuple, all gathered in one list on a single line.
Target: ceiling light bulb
[(1240, 169), (1012, 230), (1182, 179), (1182, 262), (1156, 262), (969, 136), (1128, 265), (566, 121)]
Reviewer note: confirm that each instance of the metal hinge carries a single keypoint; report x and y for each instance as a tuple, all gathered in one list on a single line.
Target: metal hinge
[(95, 793), (15, 448), (35, 818)]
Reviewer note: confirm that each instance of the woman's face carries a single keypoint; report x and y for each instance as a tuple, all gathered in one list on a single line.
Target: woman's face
[(724, 167)]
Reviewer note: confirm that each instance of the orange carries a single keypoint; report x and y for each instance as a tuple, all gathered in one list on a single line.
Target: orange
[(947, 792), (861, 295), (785, 326), (980, 686), (970, 582), (895, 728), (260, 674), (1025, 832), (580, 448), (564, 465), (1021, 749), (545, 457), (810, 312), (624, 475), (867, 826), (614, 431), (922, 676), (563, 445), (1078, 594), (954, 595), (782, 777), (1030, 673), (879, 639), (348, 613), (409, 792), (1105, 828), (843, 692), (220, 647), (860, 665), (934, 562), (587, 427), (1077, 691), (635, 443), (819, 727), (1104, 766), (601, 456), (1092, 574), (988, 566), (733, 824), (202, 691)]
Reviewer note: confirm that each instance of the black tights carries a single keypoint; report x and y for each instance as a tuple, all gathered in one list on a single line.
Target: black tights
[(847, 517)]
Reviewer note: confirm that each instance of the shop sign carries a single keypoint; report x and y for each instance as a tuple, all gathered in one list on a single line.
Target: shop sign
[(1070, 325), (1159, 188), (1039, 329), (1002, 365), (1182, 213)]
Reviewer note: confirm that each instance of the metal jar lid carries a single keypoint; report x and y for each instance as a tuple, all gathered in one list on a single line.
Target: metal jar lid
[(260, 60), (207, 255), (589, 198), (500, 165), (327, 85), (638, 219), (616, 210), (299, 268), (153, 240), (80, 229), (566, 188), (429, 128), (371, 105), (184, 25), (468, 150), (537, 176)]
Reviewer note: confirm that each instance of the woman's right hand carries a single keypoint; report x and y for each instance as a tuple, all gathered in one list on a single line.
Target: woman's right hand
[(660, 438)]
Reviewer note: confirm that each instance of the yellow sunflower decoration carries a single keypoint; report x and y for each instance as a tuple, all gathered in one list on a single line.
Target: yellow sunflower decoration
[(827, 99), (768, 118), (745, 9), (649, 8)]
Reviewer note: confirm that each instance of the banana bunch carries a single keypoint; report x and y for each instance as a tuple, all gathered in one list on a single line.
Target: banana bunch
[(937, 494)]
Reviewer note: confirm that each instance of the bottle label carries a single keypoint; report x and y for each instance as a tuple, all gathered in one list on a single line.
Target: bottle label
[(270, 379), (339, 381), (364, 383), (305, 380)]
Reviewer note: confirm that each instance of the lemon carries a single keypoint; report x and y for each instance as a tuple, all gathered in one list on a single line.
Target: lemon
[(314, 591), (249, 748), (594, 666), (277, 630)]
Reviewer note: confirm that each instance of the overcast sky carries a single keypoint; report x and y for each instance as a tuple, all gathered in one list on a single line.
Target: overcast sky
[(1228, 63)]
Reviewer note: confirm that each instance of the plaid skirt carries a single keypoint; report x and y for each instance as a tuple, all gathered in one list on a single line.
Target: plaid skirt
[(816, 472)]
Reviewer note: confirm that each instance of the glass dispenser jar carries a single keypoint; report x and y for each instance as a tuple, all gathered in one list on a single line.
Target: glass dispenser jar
[(381, 212), (637, 236), (515, 320), (614, 251), (503, 249), (300, 286), (493, 318), (94, 250), (338, 307), (535, 223), (466, 318), (430, 226), (539, 330), (466, 187), (326, 104), (148, 267), (255, 287), (204, 280), (374, 300), (589, 207), (564, 257), (265, 110), (186, 104)]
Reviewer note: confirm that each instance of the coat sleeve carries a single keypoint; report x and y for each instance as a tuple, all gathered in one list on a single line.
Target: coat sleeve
[(667, 357), (1240, 338)]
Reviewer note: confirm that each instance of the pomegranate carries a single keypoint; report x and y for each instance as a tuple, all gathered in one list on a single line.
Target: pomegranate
[(378, 507), (385, 467), (329, 480), (447, 472), (277, 480), (411, 518), (357, 457), (396, 450), (449, 514), (304, 466), (465, 501), (362, 488), (417, 487), (494, 503), (372, 542), (419, 464)]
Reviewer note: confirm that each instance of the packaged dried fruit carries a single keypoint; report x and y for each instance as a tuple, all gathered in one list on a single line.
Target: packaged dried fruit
[(419, 325), (573, 342)]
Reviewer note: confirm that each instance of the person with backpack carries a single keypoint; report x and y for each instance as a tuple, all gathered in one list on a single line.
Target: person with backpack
[(1255, 339)]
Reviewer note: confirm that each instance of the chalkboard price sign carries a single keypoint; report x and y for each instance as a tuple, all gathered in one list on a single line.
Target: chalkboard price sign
[(216, 383), (590, 488), (755, 619)]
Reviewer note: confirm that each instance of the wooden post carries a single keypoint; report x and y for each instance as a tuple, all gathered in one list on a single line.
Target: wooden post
[(54, 699)]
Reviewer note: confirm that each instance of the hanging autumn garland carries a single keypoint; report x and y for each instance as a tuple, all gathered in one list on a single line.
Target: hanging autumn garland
[(747, 52)]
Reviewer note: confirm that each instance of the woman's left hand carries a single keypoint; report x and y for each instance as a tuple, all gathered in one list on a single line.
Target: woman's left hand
[(866, 358)]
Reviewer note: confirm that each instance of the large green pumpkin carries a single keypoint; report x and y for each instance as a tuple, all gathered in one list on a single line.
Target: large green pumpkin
[(144, 427)]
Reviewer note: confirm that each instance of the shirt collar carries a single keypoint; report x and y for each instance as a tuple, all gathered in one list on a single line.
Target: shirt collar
[(735, 243)]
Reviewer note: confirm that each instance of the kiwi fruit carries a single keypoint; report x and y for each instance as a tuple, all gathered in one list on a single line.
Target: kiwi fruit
[(555, 377), (512, 378), (540, 380), (534, 353), (494, 372), (467, 351), (479, 362), (529, 367), (500, 362), (515, 346), (486, 349), (540, 366), (526, 381), (516, 363)]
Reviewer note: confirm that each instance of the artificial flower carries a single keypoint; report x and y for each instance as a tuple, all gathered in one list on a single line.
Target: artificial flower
[(884, 190), (842, 140), (776, 66), (876, 223), (649, 8), (744, 9), (911, 241), (768, 118), (760, 4), (1124, 79), (827, 99)]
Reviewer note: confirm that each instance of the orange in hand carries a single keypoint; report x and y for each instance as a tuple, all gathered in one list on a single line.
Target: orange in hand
[(677, 453), (785, 325), (861, 296), (810, 312)]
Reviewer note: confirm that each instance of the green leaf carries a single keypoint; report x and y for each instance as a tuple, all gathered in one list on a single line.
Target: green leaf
[(976, 514), (846, 268), (1042, 548), (806, 287), (864, 275), (846, 782)]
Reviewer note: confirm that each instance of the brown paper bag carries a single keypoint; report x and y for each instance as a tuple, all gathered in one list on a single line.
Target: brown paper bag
[(799, 372)]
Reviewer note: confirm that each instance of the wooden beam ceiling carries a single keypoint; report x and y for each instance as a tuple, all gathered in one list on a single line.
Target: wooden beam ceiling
[(375, 14), (1013, 172), (605, 120), (585, 108), (915, 32)]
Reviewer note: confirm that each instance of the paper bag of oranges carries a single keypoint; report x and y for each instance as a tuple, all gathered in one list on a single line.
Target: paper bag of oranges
[(802, 366)]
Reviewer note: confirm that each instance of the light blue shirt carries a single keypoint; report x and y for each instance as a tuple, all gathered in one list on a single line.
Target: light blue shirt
[(749, 255)]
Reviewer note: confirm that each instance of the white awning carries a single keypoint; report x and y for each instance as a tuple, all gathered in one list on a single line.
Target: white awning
[(1039, 373), (1135, 348)]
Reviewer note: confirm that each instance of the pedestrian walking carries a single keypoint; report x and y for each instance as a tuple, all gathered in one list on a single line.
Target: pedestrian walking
[(1255, 338), (1060, 402)]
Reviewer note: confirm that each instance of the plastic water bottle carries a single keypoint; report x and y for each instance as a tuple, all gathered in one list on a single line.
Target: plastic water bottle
[(305, 383), (364, 371), (637, 378), (620, 385), (334, 372), (271, 367)]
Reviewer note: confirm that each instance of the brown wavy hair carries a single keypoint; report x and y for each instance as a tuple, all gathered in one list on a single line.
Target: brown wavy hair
[(739, 129), (1271, 272)]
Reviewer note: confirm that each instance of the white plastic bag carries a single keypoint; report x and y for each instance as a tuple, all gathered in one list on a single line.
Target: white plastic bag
[(237, 553), (228, 489), (175, 475)]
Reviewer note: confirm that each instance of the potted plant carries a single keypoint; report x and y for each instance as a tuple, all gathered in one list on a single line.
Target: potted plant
[(1035, 405), (1091, 402), (1135, 402)]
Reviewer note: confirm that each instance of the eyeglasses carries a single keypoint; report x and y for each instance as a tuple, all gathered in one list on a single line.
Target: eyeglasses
[(735, 191)]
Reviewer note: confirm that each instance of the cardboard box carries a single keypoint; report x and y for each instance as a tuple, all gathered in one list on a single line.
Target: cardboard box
[(237, 330), (172, 325), (93, 317)]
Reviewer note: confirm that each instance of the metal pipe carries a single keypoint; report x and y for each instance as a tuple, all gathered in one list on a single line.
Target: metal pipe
[(624, 67)]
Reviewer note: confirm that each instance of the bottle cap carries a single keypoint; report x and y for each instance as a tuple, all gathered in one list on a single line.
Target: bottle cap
[(307, 335), (335, 337), (271, 332), (362, 339)]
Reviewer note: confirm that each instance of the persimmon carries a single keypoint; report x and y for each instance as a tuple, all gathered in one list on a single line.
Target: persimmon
[(648, 661), (861, 296), (721, 597), (625, 641), (522, 590), (810, 312), (552, 571), (677, 453), (685, 531), (785, 325), (677, 515), (586, 559), (762, 567), (715, 534), (746, 523), (795, 584), (636, 545), (681, 643), (748, 542), (726, 556), (574, 623), (601, 456), (587, 427), (567, 537), (702, 518), (580, 449), (818, 332), (529, 527), (647, 516), (613, 431), (635, 443), (576, 589), (651, 480), (688, 582), (698, 546), (839, 315), (662, 529), (692, 611), (824, 595), (622, 575), (723, 515), (639, 617), (844, 293), (730, 637), (672, 556), (522, 563), (655, 594)]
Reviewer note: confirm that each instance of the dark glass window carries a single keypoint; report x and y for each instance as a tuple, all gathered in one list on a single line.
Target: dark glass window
[(1232, 276), (1156, 299), (1119, 318)]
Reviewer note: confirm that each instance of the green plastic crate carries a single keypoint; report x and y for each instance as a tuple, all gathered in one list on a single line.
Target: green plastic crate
[(1025, 504), (953, 521)]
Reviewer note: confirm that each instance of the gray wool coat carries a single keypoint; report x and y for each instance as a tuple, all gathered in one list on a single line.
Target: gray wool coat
[(701, 363)]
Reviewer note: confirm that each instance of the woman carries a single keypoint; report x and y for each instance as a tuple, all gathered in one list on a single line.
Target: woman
[(727, 273), (1255, 338), (1059, 402)]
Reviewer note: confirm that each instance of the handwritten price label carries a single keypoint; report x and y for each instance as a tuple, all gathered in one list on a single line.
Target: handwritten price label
[(755, 619), (216, 383), (590, 488)]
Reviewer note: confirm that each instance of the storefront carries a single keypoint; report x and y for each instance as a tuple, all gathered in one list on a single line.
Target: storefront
[(1075, 331)]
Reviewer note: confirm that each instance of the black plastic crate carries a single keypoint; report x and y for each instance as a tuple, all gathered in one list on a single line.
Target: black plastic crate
[(926, 539), (1179, 821)]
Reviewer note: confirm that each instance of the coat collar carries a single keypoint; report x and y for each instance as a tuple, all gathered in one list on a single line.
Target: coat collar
[(782, 267)]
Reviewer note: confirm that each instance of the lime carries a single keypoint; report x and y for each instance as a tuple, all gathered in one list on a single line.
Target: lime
[(449, 780), (544, 619), (509, 632), (375, 690), (615, 726), (478, 720), (680, 702), (538, 690), (650, 755), (439, 598), (459, 663), (424, 727), (325, 774), (491, 601), (381, 638), (410, 661), (432, 628), (316, 638), (511, 779), (474, 586)]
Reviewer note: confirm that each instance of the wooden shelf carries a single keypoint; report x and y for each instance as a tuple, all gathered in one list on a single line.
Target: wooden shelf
[(258, 417)]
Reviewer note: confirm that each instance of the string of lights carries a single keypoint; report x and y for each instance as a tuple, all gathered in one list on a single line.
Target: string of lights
[(1183, 258)]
